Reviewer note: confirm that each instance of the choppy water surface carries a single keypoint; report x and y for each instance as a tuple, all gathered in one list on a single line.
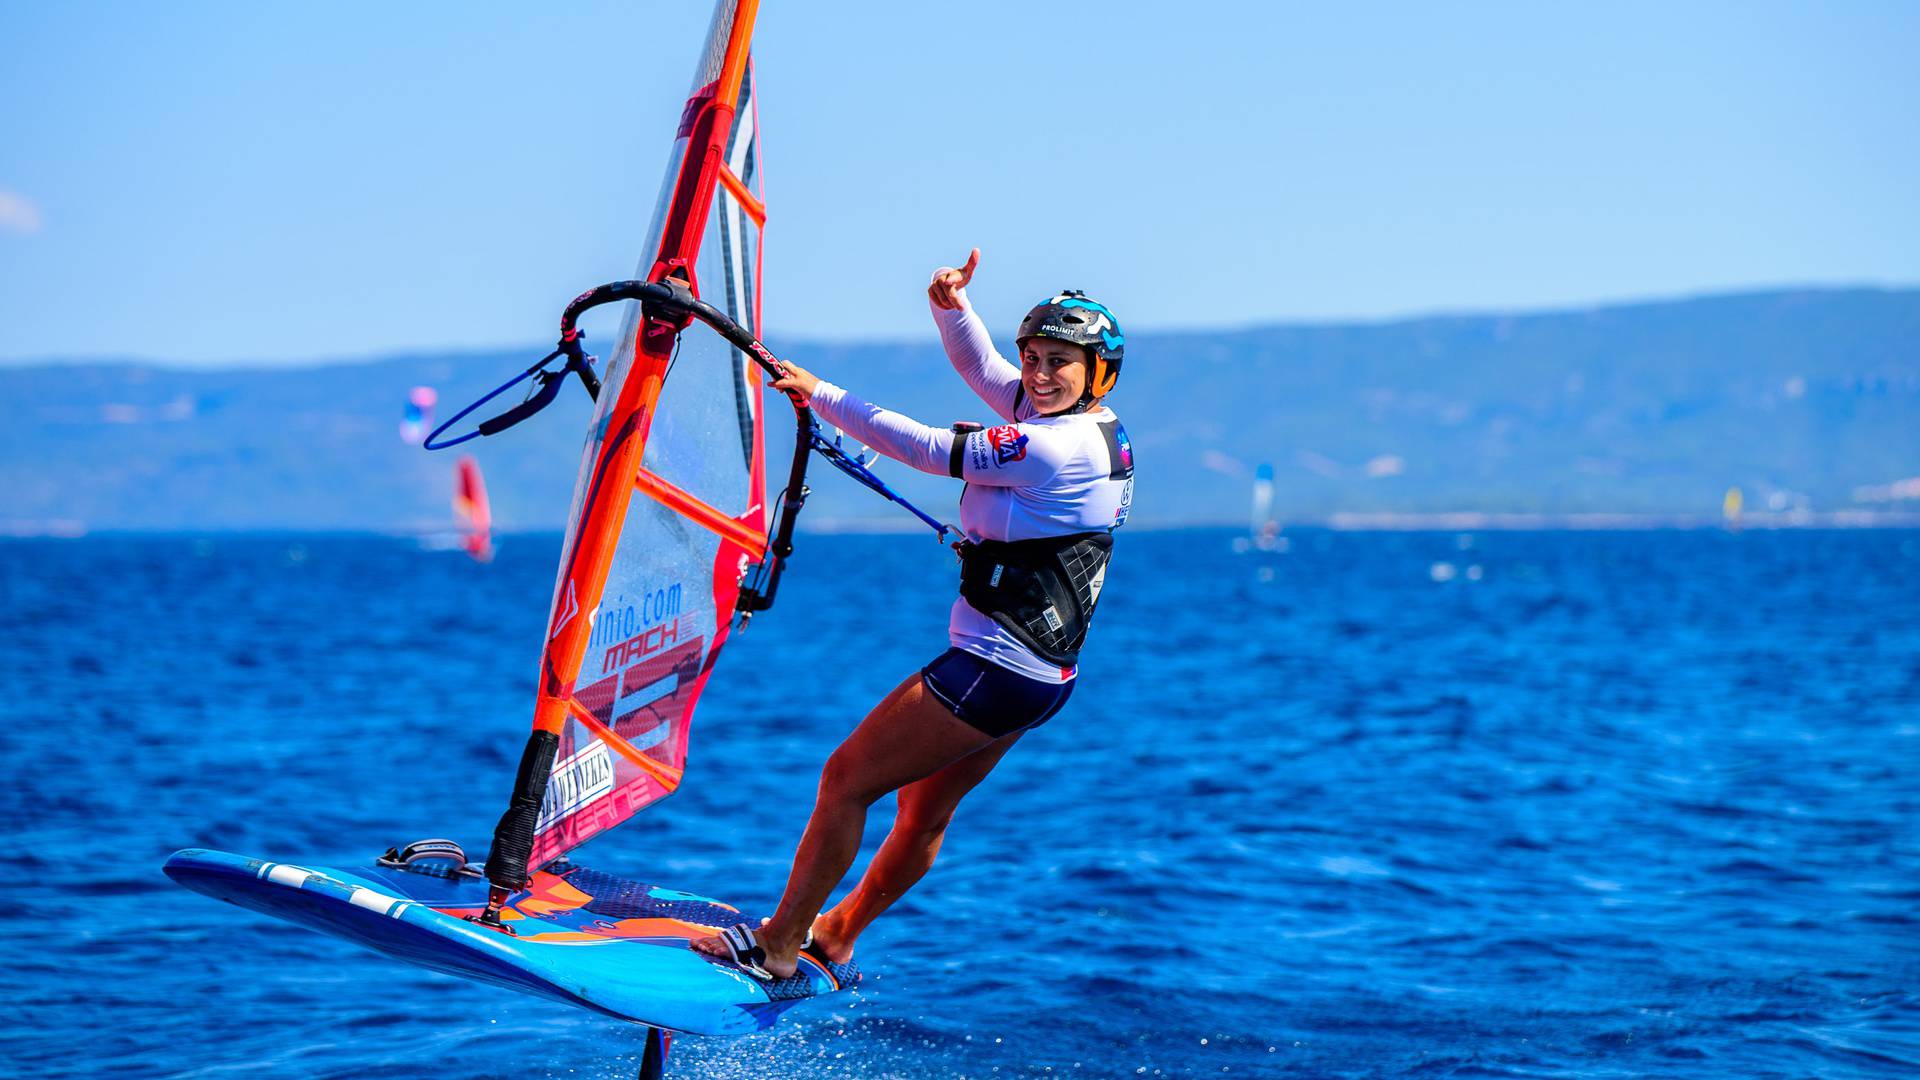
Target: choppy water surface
[(1593, 805)]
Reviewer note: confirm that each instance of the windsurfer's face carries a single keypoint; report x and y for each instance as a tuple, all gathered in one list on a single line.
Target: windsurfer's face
[(1054, 374)]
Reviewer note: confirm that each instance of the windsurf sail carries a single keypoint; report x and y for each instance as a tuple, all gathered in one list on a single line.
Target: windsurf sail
[(471, 509), (669, 506), (1262, 501)]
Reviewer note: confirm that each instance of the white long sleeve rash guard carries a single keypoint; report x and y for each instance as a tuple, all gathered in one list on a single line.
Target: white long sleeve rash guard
[(1033, 476)]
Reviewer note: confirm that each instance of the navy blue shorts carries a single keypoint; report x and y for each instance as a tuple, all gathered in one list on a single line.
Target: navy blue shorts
[(989, 697)]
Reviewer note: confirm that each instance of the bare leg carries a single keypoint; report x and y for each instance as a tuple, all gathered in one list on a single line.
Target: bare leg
[(908, 736), (926, 808)]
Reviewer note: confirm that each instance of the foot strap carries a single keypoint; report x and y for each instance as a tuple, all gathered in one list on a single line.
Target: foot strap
[(744, 949)]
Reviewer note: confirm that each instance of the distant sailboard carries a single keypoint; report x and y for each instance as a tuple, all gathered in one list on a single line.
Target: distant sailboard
[(471, 529), (472, 510), (668, 543), (1263, 530)]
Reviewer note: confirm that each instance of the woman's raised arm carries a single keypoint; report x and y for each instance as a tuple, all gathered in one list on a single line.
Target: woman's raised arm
[(969, 347)]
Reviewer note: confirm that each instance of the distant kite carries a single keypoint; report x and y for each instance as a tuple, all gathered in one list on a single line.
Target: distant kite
[(418, 418)]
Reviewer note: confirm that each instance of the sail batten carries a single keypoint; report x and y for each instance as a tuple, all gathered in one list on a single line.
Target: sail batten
[(658, 489)]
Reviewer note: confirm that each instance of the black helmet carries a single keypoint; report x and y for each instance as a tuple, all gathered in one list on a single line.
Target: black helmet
[(1073, 318)]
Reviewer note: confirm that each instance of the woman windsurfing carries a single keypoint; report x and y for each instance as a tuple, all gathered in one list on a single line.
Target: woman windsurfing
[(1045, 490)]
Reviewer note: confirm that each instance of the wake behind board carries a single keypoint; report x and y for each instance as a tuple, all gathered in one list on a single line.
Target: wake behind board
[(586, 938)]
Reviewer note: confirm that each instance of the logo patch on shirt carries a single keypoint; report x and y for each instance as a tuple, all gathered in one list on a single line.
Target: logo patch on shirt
[(1009, 445), (1119, 450)]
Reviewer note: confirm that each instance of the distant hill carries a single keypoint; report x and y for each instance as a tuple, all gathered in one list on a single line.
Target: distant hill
[(1654, 408)]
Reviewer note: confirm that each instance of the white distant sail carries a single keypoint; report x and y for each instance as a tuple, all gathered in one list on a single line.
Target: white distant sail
[(1262, 499), (1263, 528)]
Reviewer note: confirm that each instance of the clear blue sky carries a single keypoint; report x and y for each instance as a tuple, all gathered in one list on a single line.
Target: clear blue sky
[(254, 182)]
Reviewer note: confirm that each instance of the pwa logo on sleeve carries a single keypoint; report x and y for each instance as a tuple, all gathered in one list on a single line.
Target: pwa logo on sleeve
[(1009, 445)]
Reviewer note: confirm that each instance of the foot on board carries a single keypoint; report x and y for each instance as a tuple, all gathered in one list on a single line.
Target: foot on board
[(740, 945), (826, 947)]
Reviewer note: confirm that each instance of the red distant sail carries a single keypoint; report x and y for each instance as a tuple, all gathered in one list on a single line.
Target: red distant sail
[(470, 506)]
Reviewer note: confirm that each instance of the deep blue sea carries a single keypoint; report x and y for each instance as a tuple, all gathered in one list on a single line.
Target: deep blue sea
[(1386, 805)]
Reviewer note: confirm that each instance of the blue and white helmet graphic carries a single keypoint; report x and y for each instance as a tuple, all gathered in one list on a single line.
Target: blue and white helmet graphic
[(1074, 318)]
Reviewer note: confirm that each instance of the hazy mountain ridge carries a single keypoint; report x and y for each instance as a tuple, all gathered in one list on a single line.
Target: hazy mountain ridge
[(1652, 408)]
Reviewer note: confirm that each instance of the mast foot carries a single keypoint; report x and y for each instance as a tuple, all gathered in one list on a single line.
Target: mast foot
[(490, 918)]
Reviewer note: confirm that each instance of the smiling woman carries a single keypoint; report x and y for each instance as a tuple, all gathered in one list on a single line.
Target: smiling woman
[(1045, 491)]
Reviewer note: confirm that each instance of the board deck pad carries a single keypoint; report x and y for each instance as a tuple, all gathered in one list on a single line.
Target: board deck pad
[(610, 944)]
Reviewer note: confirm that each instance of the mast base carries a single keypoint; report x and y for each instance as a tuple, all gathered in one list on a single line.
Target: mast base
[(490, 917)]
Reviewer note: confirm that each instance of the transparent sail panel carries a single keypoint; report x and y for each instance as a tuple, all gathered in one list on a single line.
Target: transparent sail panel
[(730, 256), (695, 441), (617, 361), (714, 56), (638, 678)]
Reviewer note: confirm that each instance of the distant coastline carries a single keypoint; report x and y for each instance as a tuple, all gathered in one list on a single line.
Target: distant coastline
[(1651, 415)]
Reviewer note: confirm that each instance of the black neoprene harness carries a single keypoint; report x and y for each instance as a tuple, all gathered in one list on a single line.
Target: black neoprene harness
[(1042, 591)]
